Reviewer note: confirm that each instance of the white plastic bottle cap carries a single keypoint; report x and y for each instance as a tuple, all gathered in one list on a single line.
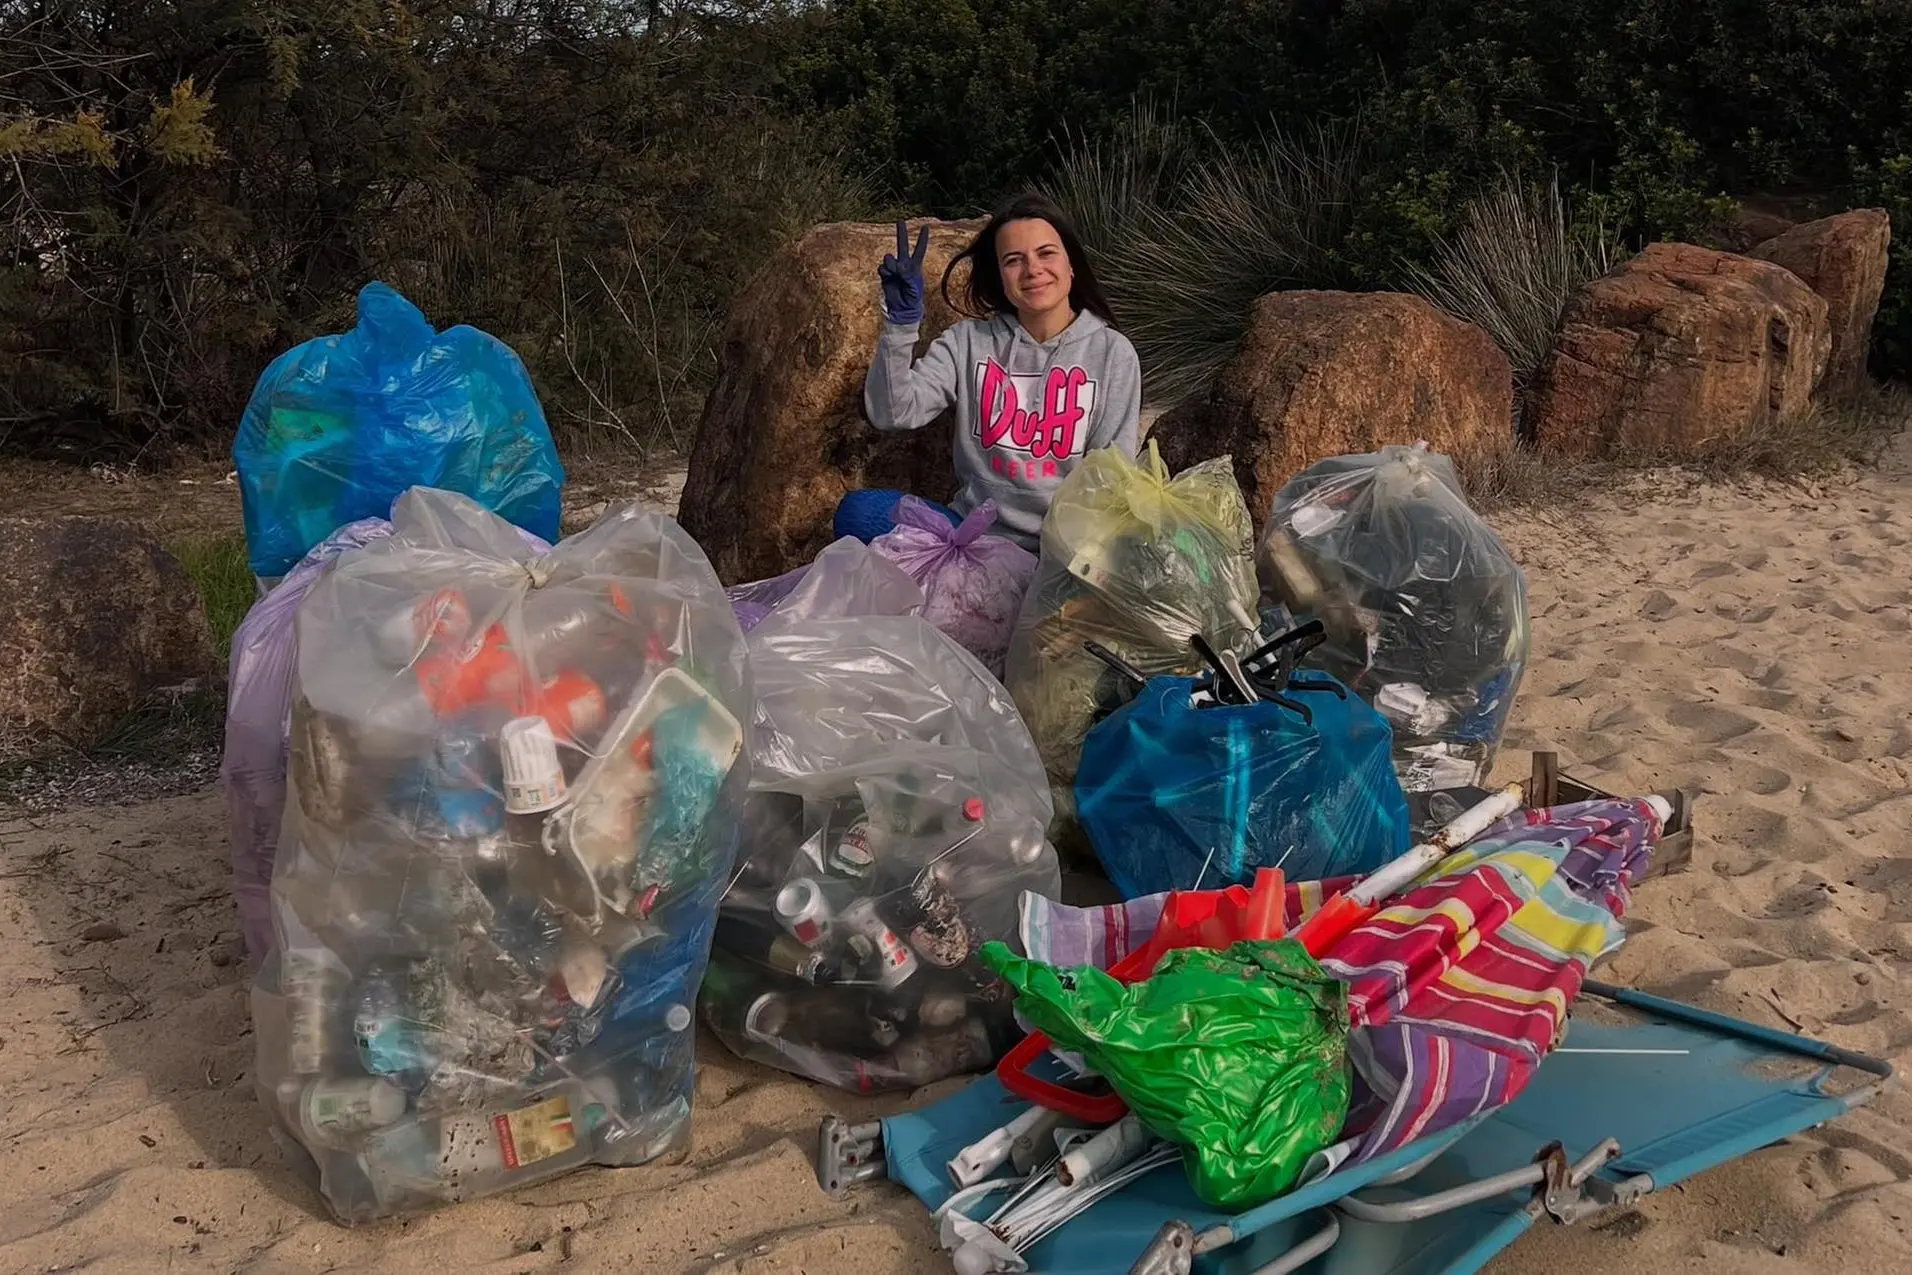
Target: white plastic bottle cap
[(534, 778), (677, 1018), (1661, 807)]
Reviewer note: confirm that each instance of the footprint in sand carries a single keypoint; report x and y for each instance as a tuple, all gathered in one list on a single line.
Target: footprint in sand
[(1713, 571), (1772, 701), (1765, 781), (1710, 722), (1726, 655)]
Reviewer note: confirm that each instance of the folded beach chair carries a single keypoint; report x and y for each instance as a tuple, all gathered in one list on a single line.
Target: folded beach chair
[(1642, 1094)]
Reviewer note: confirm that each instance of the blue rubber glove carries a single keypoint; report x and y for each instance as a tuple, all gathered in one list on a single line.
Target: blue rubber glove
[(901, 275)]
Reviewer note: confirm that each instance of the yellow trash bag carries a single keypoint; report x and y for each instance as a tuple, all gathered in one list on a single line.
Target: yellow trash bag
[(1139, 563)]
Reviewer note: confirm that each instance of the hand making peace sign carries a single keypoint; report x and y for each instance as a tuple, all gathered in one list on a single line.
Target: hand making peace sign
[(901, 276)]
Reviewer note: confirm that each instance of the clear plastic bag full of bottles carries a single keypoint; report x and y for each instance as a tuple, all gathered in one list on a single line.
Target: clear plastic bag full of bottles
[(515, 781), (898, 812)]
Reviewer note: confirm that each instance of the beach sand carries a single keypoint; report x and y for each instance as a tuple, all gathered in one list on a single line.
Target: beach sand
[(1749, 640)]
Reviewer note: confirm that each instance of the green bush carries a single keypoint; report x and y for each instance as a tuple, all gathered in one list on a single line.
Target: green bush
[(191, 189), (1664, 114)]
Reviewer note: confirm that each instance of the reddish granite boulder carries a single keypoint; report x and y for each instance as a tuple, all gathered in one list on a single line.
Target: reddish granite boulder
[(1679, 348), (1843, 259), (1324, 374), (783, 435), (94, 616)]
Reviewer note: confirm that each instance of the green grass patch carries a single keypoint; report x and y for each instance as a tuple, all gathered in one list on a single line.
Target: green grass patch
[(218, 566)]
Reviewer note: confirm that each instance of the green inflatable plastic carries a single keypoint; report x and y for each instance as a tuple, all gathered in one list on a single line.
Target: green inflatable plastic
[(1238, 1056)]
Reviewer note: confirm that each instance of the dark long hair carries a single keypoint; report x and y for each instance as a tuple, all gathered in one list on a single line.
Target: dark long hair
[(983, 295)]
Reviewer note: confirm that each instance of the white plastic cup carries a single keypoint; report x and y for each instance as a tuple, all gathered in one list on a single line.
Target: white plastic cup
[(534, 777)]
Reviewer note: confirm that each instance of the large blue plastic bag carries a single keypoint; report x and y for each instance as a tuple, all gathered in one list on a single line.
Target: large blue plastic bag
[(1166, 789), (340, 426)]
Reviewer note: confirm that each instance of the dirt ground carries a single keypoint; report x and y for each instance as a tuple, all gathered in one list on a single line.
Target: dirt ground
[(202, 499)]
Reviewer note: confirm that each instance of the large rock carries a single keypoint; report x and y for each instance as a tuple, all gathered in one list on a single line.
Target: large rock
[(783, 435), (1843, 259), (94, 616), (1677, 349), (1324, 374)]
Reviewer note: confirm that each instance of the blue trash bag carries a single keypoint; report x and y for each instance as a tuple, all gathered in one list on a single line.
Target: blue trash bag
[(1163, 783), (341, 426)]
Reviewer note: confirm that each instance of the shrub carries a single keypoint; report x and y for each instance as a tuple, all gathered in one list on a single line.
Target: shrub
[(1510, 269)]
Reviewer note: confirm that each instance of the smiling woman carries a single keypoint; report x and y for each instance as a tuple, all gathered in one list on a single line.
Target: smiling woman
[(1038, 375)]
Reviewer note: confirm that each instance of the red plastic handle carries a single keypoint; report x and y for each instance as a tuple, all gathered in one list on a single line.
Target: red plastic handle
[(1013, 1072), (1256, 915)]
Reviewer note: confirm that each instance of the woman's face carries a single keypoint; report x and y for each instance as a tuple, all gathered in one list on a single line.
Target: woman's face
[(1036, 275)]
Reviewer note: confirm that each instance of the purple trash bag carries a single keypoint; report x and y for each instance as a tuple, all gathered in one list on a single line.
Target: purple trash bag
[(972, 582), (258, 715), (258, 721)]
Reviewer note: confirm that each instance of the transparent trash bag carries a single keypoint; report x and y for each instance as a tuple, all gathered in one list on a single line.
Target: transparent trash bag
[(513, 796), (897, 813), (258, 709), (973, 583), (339, 426), (1176, 797), (848, 578), (1426, 611), (258, 718), (1139, 563)]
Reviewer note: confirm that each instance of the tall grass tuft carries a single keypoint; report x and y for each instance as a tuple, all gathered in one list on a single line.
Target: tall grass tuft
[(1186, 245), (1853, 430), (218, 565), (1510, 269), (1113, 185)]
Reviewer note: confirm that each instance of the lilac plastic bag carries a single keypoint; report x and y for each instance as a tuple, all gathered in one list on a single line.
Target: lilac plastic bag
[(258, 719), (972, 582), (847, 579)]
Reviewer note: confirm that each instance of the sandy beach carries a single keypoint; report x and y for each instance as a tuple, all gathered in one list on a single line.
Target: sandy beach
[(1750, 640)]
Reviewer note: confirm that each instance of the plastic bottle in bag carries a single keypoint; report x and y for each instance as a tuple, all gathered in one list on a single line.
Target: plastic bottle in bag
[(508, 829), (1425, 609)]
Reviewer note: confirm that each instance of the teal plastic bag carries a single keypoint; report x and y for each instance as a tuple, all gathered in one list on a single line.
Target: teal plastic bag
[(1174, 796), (341, 426), (1238, 1056)]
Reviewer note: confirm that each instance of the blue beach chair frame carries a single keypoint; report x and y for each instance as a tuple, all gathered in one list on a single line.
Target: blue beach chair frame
[(1620, 1111)]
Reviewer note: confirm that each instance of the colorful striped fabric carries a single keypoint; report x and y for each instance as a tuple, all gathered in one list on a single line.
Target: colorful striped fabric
[(1060, 935), (1461, 986)]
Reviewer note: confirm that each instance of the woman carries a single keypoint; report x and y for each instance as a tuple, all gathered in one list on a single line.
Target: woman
[(1038, 380)]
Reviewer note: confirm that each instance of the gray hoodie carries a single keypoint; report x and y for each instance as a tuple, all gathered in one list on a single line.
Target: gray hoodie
[(1026, 412)]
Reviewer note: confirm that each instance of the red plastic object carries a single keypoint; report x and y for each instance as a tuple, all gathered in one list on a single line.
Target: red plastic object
[(1190, 918), (492, 674), (574, 706), (1332, 923)]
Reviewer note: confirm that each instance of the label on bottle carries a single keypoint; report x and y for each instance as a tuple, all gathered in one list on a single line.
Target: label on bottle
[(853, 856), (535, 1133)]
